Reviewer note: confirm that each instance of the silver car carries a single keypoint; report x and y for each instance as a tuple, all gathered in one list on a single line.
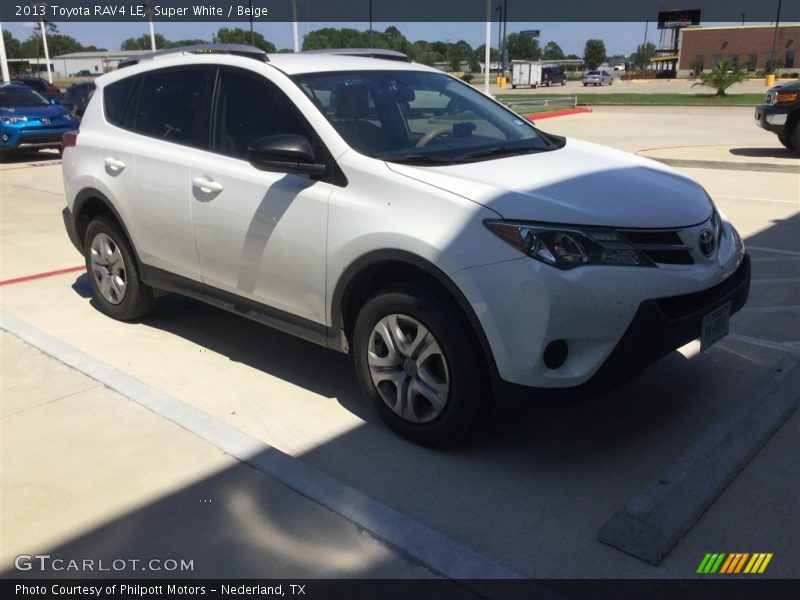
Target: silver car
[(598, 78)]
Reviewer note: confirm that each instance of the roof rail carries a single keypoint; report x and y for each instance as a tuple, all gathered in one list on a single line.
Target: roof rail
[(235, 49), (366, 52)]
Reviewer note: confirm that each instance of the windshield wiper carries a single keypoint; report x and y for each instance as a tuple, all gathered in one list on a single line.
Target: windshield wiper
[(496, 151), (415, 158)]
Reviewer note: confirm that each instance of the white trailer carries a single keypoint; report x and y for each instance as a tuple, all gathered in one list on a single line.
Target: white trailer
[(524, 72)]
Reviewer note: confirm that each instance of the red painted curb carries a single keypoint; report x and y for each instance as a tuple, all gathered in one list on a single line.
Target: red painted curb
[(559, 113), (42, 275)]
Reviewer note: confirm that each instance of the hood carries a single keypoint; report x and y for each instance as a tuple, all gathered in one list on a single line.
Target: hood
[(793, 86), (51, 111), (579, 184)]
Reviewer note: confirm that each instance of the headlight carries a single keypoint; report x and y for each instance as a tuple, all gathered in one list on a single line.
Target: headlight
[(11, 120), (567, 247)]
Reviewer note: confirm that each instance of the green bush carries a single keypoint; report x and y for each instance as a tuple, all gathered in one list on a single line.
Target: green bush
[(760, 73), (467, 77)]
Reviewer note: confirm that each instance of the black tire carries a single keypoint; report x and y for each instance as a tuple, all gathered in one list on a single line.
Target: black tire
[(794, 136), (786, 140), (137, 299), (459, 367), (564, 82)]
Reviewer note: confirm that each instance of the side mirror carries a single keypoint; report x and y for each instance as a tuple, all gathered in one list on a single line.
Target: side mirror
[(285, 153)]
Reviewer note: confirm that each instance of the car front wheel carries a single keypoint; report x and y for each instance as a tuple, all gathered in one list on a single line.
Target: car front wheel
[(420, 366), (116, 286)]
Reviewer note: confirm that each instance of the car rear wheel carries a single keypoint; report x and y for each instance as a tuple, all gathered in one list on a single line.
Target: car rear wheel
[(420, 366), (116, 286)]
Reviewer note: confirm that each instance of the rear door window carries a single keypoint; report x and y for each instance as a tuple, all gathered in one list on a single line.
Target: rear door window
[(172, 105)]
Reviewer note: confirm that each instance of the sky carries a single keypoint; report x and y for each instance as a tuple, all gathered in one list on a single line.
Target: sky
[(620, 38)]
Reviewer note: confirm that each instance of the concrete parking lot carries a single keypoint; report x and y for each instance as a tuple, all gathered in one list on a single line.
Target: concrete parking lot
[(654, 86), (89, 472)]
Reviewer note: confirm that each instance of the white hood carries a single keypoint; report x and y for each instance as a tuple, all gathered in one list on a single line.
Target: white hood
[(580, 184)]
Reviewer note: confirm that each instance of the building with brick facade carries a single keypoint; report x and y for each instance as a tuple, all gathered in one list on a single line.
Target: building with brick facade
[(749, 46)]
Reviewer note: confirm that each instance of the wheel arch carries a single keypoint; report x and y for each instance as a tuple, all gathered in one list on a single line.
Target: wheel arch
[(89, 203), (373, 271)]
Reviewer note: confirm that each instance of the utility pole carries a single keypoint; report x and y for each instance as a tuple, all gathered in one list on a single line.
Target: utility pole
[(295, 36), (252, 34), (3, 58), (505, 36), (46, 51), (501, 71), (370, 24), (149, 14), (487, 55), (775, 38)]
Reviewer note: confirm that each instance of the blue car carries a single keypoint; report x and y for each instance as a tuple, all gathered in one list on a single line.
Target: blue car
[(29, 122)]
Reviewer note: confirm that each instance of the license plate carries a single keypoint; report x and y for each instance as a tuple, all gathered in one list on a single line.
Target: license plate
[(715, 326)]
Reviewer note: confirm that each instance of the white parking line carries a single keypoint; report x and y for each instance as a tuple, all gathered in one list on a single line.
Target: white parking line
[(775, 259), (435, 550), (775, 280), (772, 309), (784, 346), (750, 198), (775, 250)]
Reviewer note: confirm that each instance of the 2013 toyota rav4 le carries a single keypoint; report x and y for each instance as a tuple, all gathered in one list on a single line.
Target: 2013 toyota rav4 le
[(389, 210)]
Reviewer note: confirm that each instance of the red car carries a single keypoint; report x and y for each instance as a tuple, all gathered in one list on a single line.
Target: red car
[(42, 86)]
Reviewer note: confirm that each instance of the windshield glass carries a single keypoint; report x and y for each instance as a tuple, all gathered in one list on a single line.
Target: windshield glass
[(413, 116), (14, 97)]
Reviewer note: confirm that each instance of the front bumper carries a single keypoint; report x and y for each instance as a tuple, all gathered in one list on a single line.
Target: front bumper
[(18, 139), (772, 117), (606, 315)]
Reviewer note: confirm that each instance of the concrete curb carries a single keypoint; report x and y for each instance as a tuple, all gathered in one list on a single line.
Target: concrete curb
[(724, 165), (438, 552), (656, 518)]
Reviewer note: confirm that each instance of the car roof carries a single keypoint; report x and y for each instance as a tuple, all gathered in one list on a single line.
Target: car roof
[(321, 62), (290, 63)]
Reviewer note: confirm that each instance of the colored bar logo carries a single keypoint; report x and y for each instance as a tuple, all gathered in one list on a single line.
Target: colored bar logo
[(734, 563)]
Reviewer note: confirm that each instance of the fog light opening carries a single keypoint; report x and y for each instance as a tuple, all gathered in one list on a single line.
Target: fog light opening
[(555, 354)]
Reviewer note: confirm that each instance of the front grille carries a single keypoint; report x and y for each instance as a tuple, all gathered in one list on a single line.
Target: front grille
[(40, 138), (663, 247)]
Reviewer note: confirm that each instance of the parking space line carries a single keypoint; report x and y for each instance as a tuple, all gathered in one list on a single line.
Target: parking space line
[(750, 198), (784, 346), (772, 309), (775, 250), (775, 280), (666, 508), (775, 259), (438, 552), (42, 275)]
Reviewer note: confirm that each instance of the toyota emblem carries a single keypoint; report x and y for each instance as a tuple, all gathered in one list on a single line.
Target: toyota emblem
[(707, 242)]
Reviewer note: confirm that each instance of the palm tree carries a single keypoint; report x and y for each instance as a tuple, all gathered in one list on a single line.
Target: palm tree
[(722, 76)]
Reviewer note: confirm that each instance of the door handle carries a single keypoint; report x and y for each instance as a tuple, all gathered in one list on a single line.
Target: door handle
[(114, 163), (206, 186)]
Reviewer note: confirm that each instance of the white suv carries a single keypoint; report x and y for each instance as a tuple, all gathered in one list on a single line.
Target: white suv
[(386, 209)]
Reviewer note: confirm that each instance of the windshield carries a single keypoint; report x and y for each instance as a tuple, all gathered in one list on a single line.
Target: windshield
[(78, 94), (20, 96), (420, 117), (593, 73)]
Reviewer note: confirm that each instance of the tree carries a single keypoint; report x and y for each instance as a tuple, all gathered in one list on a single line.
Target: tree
[(12, 45), (552, 51), (722, 76), (237, 35), (522, 47), (641, 58), (494, 55), (594, 53), (143, 43)]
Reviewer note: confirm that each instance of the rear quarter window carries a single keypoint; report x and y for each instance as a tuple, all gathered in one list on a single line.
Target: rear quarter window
[(116, 97)]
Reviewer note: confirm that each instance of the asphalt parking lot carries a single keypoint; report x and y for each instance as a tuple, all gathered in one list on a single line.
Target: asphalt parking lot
[(89, 472)]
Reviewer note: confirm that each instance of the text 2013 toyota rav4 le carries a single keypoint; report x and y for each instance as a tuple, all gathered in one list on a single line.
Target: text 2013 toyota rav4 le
[(383, 208)]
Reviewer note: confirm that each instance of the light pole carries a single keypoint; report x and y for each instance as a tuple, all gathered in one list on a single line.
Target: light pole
[(775, 38), (295, 36), (504, 56), (44, 42), (3, 58), (500, 72), (252, 35), (149, 14), (370, 23), (487, 54)]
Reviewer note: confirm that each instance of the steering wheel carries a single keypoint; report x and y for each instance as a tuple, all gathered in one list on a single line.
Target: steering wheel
[(428, 137)]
